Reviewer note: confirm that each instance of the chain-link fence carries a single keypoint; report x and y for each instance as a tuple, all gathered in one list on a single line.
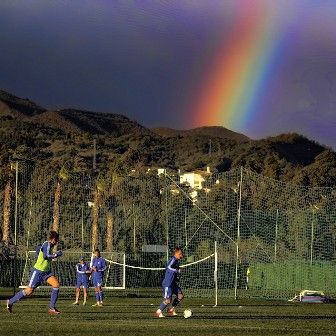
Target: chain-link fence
[(273, 238)]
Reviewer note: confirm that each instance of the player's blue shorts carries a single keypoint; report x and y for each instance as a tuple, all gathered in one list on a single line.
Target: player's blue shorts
[(82, 281), (173, 289), (97, 279), (37, 277)]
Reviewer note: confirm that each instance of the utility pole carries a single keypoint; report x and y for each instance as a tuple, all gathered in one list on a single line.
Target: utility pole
[(15, 222), (16, 202), (94, 154), (134, 233), (185, 231), (238, 232), (82, 224)]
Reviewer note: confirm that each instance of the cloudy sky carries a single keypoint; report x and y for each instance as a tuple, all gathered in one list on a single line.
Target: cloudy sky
[(258, 67)]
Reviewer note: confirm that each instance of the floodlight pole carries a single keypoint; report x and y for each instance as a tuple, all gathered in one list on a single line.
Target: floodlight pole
[(167, 223), (29, 222), (312, 238), (15, 223), (16, 202), (216, 275), (238, 233), (94, 163), (82, 224), (185, 230)]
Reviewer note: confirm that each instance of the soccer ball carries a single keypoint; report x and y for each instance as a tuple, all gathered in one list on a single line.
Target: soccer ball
[(187, 313)]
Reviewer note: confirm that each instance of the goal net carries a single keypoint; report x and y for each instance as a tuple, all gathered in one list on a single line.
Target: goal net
[(273, 238), (197, 278)]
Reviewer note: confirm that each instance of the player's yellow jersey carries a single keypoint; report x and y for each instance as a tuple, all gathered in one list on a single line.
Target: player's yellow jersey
[(44, 257)]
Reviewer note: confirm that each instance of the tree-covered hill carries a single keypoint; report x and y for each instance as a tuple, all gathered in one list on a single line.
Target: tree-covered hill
[(32, 134), (210, 131)]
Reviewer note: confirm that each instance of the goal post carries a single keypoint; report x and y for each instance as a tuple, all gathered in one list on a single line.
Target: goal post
[(198, 278)]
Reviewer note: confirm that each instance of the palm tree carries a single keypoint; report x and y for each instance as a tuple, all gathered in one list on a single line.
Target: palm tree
[(62, 177), (109, 231), (115, 182), (98, 193), (8, 193)]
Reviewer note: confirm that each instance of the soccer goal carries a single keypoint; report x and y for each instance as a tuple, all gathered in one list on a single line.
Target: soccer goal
[(198, 277), (65, 269)]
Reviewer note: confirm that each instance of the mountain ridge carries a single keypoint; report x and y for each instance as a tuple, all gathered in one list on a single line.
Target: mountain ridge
[(215, 131), (15, 106), (72, 120), (30, 133)]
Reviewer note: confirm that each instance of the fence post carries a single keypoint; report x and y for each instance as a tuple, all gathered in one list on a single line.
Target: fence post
[(276, 235), (124, 271), (29, 221), (167, 222), (16, 201), (15, 224), (82, 227), (134, 233), (238, 233), (216, 275), (312, 238), (185, 231)]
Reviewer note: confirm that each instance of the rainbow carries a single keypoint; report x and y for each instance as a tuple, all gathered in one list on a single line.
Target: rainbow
[(237, 79)]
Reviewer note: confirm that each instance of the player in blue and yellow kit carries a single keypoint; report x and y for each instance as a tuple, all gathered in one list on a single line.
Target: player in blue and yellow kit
[(98, 268), (170, 285), (41, 272), (82, 276)]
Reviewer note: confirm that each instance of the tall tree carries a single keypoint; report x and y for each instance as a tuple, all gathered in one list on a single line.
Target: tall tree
[(109, 231), (7, 206), (98, 196), (62, 177), (112, 202)]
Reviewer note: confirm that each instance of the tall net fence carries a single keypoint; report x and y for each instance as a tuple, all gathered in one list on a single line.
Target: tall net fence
[(243, 235)]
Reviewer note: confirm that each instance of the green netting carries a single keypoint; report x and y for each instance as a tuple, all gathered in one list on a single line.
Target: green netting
[(256, 221), (286, 278)]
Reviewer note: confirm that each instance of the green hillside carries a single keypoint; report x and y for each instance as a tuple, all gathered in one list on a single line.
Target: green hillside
[(30, 133)]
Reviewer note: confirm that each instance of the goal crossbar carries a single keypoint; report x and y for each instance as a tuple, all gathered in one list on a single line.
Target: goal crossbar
[(159, 268)]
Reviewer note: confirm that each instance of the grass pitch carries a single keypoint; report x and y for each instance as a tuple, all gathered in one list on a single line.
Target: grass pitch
[(134, 316)]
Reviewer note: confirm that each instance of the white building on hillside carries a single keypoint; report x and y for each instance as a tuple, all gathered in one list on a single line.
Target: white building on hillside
[(195, 178), (162, 171)]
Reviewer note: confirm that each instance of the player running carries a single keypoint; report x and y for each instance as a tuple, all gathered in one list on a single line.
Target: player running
[(170, 285), (41, 272), (98, 268), (82, 271)]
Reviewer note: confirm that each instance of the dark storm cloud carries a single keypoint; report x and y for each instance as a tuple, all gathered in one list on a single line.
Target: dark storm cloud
[(104, 56), (143, 59)]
